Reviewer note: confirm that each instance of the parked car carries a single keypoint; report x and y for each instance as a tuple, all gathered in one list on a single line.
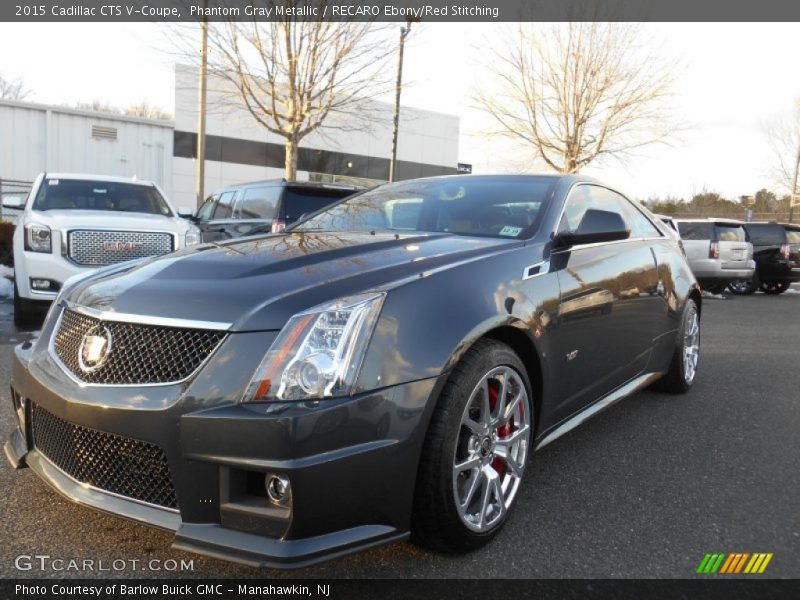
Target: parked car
[(75, 223), (776, 249), (288, 398), (263, 206), (718, 251)]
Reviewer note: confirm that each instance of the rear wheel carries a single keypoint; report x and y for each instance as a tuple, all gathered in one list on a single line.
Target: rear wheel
[(475, 451), (774, 287), (742, 287), (686, 357)]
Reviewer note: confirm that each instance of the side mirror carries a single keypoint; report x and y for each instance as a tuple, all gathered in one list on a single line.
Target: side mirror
[(595, 226), (14, 202), (187, 212)]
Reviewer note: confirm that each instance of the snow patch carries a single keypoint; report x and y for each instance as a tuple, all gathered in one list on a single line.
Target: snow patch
[(706, 294), (6, 282)]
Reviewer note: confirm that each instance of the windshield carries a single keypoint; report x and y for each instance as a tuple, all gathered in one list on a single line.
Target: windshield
[(509, 207), (79, 194)]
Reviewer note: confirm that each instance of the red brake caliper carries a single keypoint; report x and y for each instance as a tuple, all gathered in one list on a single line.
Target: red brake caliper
[(502, 431)]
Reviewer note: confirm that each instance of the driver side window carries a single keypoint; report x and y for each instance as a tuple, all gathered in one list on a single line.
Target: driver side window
[(207, 209), (581, 199)]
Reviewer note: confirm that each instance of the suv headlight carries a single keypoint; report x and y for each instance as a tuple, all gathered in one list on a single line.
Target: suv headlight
[(192, 237), (38, 238), (319, 352)]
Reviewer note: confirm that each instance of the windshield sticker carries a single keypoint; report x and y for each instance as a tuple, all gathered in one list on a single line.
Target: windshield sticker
[(510, 230), (53, 182)]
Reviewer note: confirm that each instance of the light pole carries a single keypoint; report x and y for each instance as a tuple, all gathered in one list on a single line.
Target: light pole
[(200, 167), (404, 31)]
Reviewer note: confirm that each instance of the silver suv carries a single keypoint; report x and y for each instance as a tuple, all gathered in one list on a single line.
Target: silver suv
[(718, 250)]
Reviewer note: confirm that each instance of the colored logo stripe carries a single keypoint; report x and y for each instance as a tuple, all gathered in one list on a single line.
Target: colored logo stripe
[(723, 563)]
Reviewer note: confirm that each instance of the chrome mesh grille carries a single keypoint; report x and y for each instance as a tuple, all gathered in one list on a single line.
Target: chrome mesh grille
[(100, 248), (138, 353), (117, 464)]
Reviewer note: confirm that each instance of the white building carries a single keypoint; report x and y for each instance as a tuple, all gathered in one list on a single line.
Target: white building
[(239, 149), (36, 138)]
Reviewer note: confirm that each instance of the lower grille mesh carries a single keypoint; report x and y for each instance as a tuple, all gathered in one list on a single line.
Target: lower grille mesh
[(117, 464)]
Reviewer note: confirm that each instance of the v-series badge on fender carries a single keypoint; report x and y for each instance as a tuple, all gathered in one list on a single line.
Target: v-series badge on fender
[(107, 10)]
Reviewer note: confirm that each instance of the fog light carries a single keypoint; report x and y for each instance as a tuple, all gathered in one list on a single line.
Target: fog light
[(40, 284), (279, 489)]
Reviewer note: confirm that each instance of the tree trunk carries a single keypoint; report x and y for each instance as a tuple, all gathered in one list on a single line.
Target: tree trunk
[(290, 159), (793, 197)]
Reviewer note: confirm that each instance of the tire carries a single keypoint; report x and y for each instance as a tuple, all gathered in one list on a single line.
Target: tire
[(25, 313), (681, 375), (742, 287), (451, 439), (774, 287)]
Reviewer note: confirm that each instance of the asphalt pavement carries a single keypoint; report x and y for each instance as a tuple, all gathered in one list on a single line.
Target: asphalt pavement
[(645, 489)]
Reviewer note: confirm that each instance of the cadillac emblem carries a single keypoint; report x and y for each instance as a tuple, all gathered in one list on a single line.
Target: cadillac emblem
[(94, 349)]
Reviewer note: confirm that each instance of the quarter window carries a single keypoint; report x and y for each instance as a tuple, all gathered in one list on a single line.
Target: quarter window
[(696, 231), (259, 202)]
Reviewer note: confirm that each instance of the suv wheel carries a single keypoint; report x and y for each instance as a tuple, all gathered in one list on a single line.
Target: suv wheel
[(24, 313), (683, 366), (774, 287), (475, 451), (742, 287)]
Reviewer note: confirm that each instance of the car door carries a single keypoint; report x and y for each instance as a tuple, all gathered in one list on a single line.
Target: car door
[(607, 311), (214, 227)]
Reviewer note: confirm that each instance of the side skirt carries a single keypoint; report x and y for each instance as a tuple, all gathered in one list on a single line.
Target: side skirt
[(621, 392)]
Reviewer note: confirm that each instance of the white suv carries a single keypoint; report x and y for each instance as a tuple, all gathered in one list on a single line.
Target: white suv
[(72, 224)]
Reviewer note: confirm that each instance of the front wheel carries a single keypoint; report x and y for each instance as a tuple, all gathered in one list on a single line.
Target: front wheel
[(24, 312), (686, 357), (774, 287), (476, 447)]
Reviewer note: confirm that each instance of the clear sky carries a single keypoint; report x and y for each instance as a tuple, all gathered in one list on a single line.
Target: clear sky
[(733, 78)]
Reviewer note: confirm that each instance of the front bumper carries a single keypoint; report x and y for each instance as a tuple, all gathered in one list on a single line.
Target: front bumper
[(351, 462)]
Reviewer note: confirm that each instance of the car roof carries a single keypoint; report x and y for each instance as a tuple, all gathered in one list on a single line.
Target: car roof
[(711, 220), (91, 177), (308, 184)]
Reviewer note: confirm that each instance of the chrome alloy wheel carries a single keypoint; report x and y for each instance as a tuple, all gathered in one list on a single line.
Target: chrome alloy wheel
[(492, 446), (691, 345)]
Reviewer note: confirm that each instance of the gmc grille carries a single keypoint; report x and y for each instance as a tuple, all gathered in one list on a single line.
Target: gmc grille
[(100, 248), (124, 466), (138, 354)]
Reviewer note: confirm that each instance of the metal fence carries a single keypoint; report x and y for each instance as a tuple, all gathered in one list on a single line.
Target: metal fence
[(12, 189)]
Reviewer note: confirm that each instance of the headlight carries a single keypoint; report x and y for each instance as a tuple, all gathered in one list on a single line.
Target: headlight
[(38, 238), (192, 237), (318, 353)]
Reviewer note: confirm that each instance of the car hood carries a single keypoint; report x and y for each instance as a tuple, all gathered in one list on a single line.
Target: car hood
[(259, 283), (106, 219)]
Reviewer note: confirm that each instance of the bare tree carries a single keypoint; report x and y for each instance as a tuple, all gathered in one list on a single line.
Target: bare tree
[(783, 136), (577, 92), (298, 76), (145, 110), (13, 89)]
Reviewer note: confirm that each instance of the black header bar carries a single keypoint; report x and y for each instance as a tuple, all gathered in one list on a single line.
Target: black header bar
[(400, 10)]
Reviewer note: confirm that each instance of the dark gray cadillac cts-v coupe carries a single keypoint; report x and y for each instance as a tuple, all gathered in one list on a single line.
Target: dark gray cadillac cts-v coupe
[(385, 369)]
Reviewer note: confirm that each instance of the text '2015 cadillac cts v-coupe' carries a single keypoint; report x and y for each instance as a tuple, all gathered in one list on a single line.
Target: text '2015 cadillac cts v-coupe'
[(385, 369)]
